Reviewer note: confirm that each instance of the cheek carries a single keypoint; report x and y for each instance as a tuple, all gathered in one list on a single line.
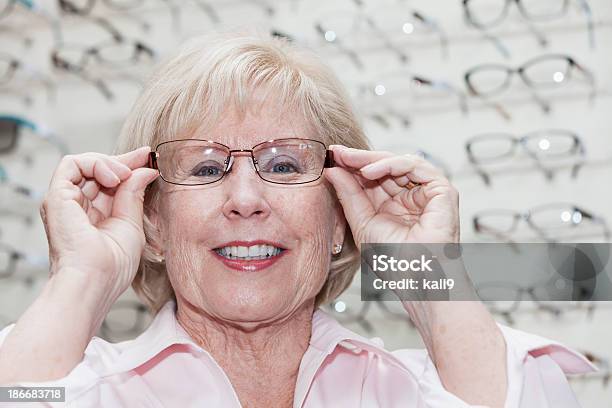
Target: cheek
[(303, 216), (313, 223), (186, 215)]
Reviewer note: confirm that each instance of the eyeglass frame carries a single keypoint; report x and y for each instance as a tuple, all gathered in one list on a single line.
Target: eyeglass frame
[(578, 150), (68, 7), (40, 131), (526, 216), (360, 314), (14, 65), (15, 257), (468, 17), (549, 306), (95, 51), (521, 291), (526, 81), (154, 155), (358, 16), (81, 69), (389, 109)]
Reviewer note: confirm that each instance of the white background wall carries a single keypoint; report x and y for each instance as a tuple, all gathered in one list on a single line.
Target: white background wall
[(88, 122)]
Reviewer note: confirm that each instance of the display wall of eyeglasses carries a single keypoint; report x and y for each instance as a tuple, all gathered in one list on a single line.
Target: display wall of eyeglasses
[(511, 98)]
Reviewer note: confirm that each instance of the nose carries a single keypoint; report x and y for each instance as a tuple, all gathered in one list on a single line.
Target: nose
[(244, 190)]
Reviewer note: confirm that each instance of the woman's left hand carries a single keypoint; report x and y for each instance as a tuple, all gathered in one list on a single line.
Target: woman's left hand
[(372, 187)]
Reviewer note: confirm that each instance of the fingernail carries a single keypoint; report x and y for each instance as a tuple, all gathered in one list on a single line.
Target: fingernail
[(368, 167)]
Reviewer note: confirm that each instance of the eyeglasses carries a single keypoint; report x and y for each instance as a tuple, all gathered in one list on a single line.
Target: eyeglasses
[(10, 131), (484, 15), (546, 147), (113, 53), (402, 23), (11, 66), (125, 319), (10, 257), (505, 298), (7, 7), (550, 222), (342, 28), (436, 161), (6, 184), (350, 309), (395, 87), (543, 72), (83, 9), (77, 59), (195, 162)]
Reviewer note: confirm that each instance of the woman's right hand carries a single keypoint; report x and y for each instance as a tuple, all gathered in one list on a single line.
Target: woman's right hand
[(93, 217)]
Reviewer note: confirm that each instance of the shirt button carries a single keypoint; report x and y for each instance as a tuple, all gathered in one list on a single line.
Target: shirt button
[(378, 341), (350, 346)]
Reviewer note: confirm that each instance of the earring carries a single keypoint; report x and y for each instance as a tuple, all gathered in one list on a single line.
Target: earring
[(337, 249), (159, 258)]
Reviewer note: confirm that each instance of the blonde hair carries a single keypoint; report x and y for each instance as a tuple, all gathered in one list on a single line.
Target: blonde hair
[(213, 72)]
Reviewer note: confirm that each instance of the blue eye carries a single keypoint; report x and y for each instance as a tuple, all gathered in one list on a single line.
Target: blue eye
[(284, 168), (208, 171)]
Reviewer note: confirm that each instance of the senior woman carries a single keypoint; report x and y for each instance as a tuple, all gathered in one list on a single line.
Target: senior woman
[(249, 229)]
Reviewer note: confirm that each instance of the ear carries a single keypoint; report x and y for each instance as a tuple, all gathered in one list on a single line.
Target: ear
[(153, 230), (339, 224)]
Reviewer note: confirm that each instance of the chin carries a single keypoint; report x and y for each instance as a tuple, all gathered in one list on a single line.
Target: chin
[(254, 308)]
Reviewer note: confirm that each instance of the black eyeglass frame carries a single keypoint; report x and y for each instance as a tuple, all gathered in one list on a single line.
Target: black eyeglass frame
[(328, 162)]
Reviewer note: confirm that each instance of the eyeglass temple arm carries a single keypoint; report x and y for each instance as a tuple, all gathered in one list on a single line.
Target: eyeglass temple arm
[(584, 4), (329, 159), (433, 24), (152, 164), (467, 16), (589, 76)]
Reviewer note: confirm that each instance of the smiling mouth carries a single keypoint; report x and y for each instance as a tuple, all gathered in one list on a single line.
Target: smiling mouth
[(253, 252)]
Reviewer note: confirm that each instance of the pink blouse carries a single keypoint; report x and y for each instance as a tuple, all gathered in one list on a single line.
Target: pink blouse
[(164, 367)]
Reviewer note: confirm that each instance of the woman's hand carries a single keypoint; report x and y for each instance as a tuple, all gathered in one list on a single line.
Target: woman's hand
[(93, 214), (372, 188)]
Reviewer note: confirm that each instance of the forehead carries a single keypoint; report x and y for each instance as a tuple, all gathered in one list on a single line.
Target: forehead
[(243, 131)]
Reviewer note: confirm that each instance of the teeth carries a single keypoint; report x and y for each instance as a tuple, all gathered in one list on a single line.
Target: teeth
[(249, 253)]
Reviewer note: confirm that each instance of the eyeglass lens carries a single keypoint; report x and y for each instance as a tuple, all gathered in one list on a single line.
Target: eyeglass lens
[(197, 162)]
